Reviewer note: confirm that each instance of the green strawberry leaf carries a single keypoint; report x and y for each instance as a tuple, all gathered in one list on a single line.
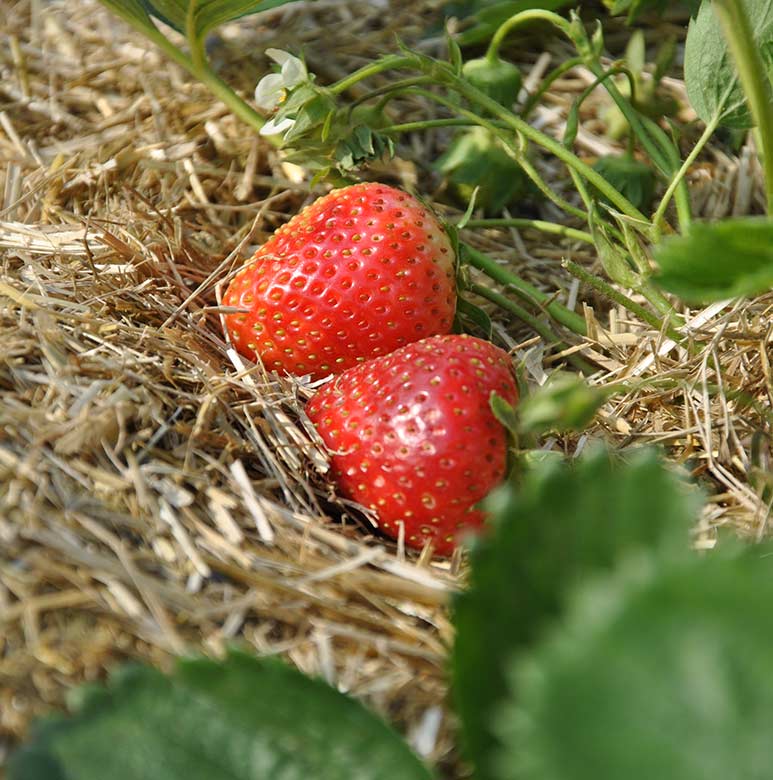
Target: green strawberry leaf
[(710, 75), (207, 14), (661, 670), (240, 719), (564, 403), (719, 260), (634, 179), (476, 160), (135, 12), (558, 527)]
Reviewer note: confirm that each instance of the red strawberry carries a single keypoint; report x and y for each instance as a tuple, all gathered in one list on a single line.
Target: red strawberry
[(413, 437), (356, 274)]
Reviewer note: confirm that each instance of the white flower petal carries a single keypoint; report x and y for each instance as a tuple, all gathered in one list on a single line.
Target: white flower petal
[(273, 127), (293, 72), (279, 56), (269, 92)]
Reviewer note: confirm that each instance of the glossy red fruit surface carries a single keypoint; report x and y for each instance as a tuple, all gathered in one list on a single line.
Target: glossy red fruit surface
[(413, 437), (357, 274)]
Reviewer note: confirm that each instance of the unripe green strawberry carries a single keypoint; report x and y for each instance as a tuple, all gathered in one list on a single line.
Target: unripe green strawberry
[(357, 274), (497, 78), (412, 435)]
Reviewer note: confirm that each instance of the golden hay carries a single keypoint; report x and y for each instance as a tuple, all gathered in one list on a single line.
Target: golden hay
[(159, 496)]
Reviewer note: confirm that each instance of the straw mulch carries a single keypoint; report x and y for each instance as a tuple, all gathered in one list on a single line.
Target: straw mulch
[(160, 496)]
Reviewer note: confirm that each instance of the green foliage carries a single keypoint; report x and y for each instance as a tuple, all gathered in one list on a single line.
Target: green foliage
[(719, 260), (660, 670), (563, 524), (476, 159), (486, 15), (636, 8), (203, 16), (629, 176), (709, 71), (565, 403), (241, 719), (497, 78)]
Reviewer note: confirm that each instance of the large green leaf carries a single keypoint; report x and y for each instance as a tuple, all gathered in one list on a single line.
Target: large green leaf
[(560, 526), (242, 719), (132, 11), (207, 14), (709, 71), (660, 671), (733, 257)]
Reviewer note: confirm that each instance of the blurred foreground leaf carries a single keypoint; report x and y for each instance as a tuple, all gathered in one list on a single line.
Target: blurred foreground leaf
[(560, 526), (719, 260), (241, 719), (659, 671)]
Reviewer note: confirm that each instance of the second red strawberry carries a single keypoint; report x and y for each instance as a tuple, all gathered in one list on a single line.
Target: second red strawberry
[(355, 275)]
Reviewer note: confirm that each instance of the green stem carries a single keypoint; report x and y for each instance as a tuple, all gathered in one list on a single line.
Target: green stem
[(537, 325), (205, 74), (545, 141), (426, 124), (527, 291), (615, 295), (737, 29), (536, 224), (390, 62), (525, 16), (682, 172), (510, 148)]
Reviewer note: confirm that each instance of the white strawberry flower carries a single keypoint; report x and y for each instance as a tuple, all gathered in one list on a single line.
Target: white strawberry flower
[(272, 88)]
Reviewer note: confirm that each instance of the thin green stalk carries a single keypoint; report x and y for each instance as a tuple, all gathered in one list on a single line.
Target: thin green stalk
[(528, 292), (615, 295), (511, 148), (525, 16), (537, 325), (390, 62), (681, 173), (536, 224), (205, 74), (426, 124), (546, 142), (736, 27)]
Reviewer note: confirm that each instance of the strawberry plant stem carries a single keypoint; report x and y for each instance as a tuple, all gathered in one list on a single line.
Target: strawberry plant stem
[(528, 292), (545, 141), (519, 18), (682, 172), (536, 224), (737, 30), (537, 325), (618, 297), (390, 62)]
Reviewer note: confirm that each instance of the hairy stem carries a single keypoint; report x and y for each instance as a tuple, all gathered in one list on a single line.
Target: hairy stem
[(525, 16)]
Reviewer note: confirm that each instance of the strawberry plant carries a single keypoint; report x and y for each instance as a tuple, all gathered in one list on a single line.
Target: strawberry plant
[(401, 429), (358, 273)]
